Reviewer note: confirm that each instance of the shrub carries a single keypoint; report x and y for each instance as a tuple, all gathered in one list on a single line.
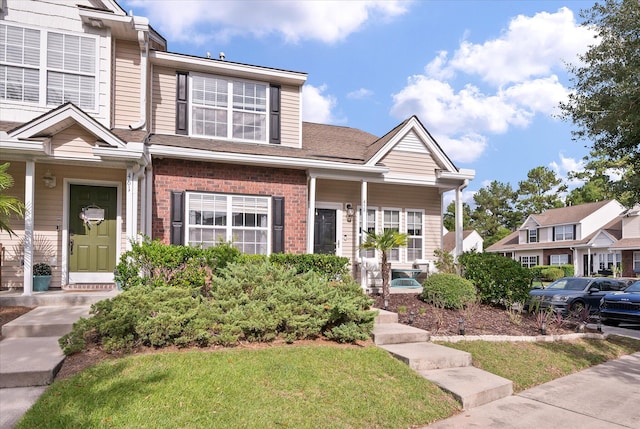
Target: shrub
[(552, 273), (448, 291), (252, 301), (152, 263), (41, 269), (331, 267), (498, 279), (537, 271)]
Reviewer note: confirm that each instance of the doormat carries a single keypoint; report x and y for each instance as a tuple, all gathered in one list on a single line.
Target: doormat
[(89, 287)]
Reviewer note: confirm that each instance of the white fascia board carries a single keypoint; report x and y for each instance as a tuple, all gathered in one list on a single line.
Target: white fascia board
[(211, 65), (604, 233), (271, 161), (21, 145), (118, 153)]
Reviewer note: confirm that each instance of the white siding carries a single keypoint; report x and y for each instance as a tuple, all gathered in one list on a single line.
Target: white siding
[(600, 218), (631, 227)]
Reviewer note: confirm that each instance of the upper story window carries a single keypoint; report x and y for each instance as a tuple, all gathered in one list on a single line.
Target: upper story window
[(563, 233), (228, 109), (63, 71), (533, 236)]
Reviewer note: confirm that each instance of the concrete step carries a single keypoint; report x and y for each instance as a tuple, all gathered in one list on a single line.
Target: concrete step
[(54, 297), (48, 321), (385, 316), (425, 356), (471, 386), (397, 333), (29, 361)]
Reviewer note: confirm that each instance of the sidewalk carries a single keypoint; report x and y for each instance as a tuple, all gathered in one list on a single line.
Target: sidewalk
[(603, 396)]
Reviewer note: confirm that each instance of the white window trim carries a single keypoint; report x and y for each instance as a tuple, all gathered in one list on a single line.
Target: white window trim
[(338, 207), (636, 262), (376, 225), (406, 229), (564, 233), (564, 261), (529, 231), (43, 67), (401, 252), (528, 258), (229, 108), (229, 227)]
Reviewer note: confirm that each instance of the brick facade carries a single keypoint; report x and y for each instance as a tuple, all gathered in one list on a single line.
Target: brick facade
[(182, 175)]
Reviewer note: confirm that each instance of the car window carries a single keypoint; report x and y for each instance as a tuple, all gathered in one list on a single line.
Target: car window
[(635, 287), (569, 283), (598, 284)]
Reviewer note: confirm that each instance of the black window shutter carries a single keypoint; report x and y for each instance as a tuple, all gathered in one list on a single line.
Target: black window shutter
[(554, 233), (274, 114), (177, 217), (549, 263), (278, 225), (574, 233), (537, 260), (182, 98), (569, 259)]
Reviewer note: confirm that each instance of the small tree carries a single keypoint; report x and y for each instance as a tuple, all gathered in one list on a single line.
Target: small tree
[(384, 242), (8, 205)]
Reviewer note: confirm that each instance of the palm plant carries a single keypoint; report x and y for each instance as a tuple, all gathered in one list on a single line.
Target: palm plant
[(8, 205), (383, 243)]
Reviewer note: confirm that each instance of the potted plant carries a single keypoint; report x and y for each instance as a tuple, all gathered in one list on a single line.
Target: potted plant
[(41, 276)]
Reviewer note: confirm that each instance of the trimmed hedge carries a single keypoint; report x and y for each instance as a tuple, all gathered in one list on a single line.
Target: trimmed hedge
[(537, 271), (448, 291)]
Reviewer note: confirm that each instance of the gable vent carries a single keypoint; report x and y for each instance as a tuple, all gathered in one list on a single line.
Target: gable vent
[(411, 143)]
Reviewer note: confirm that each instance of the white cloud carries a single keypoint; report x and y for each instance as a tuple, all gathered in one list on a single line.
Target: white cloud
[(317, 107), (518, 74), (450, 196), (359, 94), (566, 166), (328, 22)]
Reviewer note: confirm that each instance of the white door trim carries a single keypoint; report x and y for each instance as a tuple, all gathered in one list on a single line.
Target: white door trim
[(338, 208), (67, 277)]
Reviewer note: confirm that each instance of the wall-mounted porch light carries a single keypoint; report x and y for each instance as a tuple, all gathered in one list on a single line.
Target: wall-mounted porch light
[(49, 180), (350, 212)]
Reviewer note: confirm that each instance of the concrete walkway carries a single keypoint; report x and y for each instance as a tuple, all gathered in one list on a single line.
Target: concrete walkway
[(30, 356)]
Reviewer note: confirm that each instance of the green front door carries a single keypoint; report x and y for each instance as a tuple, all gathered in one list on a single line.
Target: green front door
[(92, 233)]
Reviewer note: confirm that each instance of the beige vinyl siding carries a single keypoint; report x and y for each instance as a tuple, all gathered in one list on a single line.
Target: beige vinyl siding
[(48, 216), (163, 100), (127, 88), (384, 195), (73, 141), (631, 227), (403, 163), (290, 116)]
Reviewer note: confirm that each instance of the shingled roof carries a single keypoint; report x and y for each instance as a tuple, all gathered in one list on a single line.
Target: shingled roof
[(569, 214)]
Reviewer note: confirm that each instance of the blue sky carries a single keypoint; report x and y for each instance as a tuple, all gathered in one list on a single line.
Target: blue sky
[(484, 77)]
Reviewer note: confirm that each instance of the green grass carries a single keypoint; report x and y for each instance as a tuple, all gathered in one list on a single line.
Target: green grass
[(530, 364), (295, 387)]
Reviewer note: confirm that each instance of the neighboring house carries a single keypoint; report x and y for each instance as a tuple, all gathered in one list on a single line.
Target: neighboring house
[(594, 237), (110, 136), (471, 241)]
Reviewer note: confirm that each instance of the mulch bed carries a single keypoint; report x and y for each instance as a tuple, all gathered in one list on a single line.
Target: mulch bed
[(478, 319)]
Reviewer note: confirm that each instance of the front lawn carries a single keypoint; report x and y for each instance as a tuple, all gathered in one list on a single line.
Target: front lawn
[(529, 364), (284, 386)]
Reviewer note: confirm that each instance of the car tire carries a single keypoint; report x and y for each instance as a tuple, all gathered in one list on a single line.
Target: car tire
[(577, 306)]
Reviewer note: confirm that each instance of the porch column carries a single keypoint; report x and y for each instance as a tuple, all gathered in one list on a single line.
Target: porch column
[(148, 228), (27, 283), (588, 262), (362, 228), (311, 214), (459, 219)]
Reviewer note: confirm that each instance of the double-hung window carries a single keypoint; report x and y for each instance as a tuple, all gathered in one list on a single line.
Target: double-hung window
[(636, 262), (533, 235), (228, 109), (47, 68), (563, 233), (391, 221), (19, 64), (415, 232), (559, 259), (239, 219), (370, 226)]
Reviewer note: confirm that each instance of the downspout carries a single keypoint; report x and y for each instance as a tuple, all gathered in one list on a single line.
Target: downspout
[(144, 50)]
